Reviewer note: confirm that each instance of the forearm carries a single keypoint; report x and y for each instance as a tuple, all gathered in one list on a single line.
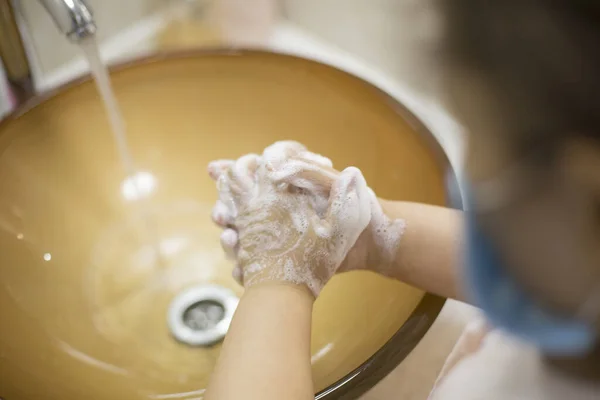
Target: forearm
[(266, 354), (431, 249)]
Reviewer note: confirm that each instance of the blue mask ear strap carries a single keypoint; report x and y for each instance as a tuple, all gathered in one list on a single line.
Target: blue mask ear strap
[(510, 308)]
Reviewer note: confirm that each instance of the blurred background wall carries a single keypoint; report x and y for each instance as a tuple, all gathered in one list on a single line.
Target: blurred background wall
[(396, 36), (51, 48)]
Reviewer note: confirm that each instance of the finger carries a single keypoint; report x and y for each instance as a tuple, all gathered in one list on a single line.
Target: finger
[(243, 171), (240, 177), (222, 215), (227, 197), (280, 152), (232, 190), (304, 174), (226, 186), (218, 167), (229, 242), (349, 209), (315, 158)]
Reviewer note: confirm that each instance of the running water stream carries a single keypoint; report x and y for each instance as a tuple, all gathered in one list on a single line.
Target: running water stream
[(117, 124), (137, 185)]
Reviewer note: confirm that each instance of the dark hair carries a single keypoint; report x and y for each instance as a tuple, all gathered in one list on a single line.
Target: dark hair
[(540, 60)]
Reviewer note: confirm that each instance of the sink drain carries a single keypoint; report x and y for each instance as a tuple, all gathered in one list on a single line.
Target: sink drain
[(200, 316)]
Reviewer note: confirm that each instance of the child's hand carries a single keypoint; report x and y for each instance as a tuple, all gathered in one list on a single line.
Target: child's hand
[(291, 163), (285, 233), (377, 245)]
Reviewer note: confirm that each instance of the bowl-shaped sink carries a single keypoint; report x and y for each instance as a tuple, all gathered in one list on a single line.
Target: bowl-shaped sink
[(84, 295)]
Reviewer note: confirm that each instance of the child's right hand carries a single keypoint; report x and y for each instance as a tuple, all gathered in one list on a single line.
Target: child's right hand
[(377, 245)]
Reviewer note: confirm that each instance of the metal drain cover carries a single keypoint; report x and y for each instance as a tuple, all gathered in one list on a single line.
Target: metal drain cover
[(200, 316)]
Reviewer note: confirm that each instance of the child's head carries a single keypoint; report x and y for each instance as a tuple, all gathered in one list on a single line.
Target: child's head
[(524, 77)]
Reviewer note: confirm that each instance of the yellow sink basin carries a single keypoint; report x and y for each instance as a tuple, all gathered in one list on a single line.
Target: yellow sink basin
[(83, 295)]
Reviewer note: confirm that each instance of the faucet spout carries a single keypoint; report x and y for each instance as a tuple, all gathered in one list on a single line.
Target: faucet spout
[(74, 18)]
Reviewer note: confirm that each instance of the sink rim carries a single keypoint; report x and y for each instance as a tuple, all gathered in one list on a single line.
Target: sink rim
[(397, 348)]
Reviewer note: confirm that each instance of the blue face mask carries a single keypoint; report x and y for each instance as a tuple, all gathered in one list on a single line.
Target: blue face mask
[(508, 307)]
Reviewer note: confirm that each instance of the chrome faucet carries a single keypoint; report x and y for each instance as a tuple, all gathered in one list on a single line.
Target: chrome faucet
[(74, 19)]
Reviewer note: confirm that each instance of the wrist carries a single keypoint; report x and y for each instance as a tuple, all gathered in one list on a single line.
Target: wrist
[(375, 249), (280, 272), (384, 239), (276, 288)]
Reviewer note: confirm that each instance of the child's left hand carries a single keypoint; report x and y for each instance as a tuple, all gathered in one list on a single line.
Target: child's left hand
[(278, 231)]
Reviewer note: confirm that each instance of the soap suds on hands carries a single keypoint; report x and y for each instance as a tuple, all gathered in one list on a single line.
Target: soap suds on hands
[(292, 198)]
